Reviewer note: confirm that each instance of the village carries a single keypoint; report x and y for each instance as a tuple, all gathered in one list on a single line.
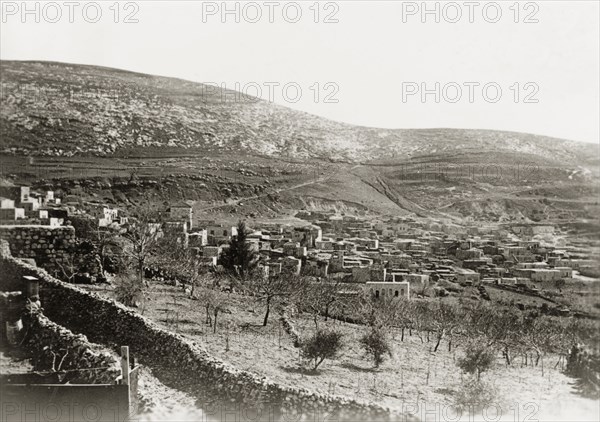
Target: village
[(393, 256)]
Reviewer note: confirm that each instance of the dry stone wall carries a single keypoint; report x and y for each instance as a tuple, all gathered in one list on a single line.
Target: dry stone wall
[(185, 364), (70, 356), (46, 245)]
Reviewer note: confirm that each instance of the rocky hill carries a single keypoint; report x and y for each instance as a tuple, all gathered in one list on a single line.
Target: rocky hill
[(116, 136), (65, 110)]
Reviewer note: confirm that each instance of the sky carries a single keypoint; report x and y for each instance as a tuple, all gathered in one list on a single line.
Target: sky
[(516, 66)]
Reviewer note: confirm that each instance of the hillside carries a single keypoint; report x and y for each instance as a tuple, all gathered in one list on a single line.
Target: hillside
[(118, 136), (100, 111)]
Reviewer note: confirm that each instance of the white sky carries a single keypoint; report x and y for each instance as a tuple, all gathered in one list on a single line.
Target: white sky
[(368, 54)]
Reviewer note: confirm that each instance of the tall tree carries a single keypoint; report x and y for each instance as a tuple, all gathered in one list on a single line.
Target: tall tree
[(143, 233), (239, 259)]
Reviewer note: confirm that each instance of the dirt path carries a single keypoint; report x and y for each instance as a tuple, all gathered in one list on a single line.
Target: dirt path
[(264, 195), (158, 403)]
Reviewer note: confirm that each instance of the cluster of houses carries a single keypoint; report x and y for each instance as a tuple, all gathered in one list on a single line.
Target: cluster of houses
[(394, 256), (19, 205), (386, 256)]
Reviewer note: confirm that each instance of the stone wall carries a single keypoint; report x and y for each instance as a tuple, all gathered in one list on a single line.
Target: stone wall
[(75, 359), (184, 364), (44, 244)]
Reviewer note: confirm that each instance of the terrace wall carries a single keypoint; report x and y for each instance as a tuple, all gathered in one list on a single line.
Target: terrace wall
[(44, 244), (49, 343), (183, 363)]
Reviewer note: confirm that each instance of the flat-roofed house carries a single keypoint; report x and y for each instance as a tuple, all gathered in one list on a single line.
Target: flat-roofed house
[(181, 211), (381, 289), (6, 203)]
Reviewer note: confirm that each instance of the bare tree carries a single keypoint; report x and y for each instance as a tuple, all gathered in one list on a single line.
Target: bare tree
[(142, 233), (75, 259), (180, 262), (318, 298), (105, 242), (272, 290), (219, 304), (445, 319)]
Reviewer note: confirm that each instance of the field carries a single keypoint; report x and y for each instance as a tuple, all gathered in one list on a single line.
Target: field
[(414, 375)]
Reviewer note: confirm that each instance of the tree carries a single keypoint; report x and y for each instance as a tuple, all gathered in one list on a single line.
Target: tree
[(376, 344), (560, 284), (380, 313), (106, 243), (128, 290), (105, 240), (206, 296), (318, 298), (239, 259), (404, 318), (219, 304), (75, 260), (180, 262), (320, 346), (477, 360), (445, 319), (142, 233), (272, 290)]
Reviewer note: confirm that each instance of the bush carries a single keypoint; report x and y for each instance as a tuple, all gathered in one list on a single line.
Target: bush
[(322, 345), (477, 360), (376, 345), (129, 291), (475, 396)]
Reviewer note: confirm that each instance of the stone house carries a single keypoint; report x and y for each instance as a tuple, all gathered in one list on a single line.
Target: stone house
[(388, 289), (181, 211)]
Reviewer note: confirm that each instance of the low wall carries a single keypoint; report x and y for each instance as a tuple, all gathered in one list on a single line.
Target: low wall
[(182, 363), (44, 244), (55, 347)]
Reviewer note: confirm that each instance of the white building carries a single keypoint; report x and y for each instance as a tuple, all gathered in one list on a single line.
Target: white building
[(388, 289)]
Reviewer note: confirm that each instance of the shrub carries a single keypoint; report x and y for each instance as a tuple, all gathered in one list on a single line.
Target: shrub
[(477, 360), (376, 345), (475, 396), (322, 345), (129, 291)]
